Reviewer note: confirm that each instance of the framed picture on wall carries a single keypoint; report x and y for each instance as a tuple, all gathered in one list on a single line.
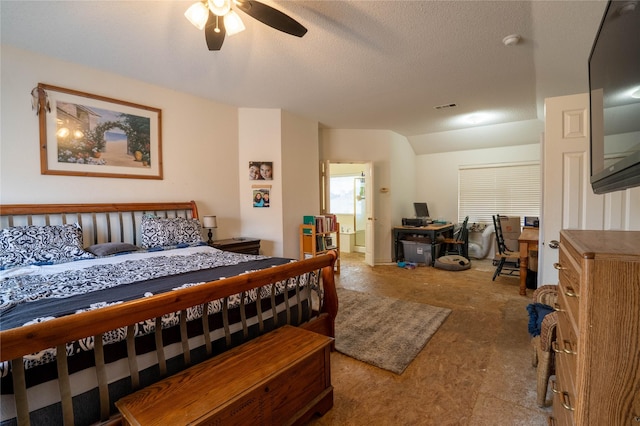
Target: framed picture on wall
[(261, 195), (260, 170), (90, 135)]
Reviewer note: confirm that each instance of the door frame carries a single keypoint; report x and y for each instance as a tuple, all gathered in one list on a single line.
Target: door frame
[(325, 203)]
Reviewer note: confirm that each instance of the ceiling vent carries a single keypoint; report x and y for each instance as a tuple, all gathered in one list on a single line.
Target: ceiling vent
[(445, 106)]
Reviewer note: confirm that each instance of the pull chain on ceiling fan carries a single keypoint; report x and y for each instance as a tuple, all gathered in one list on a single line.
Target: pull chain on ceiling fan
[(206, 15)]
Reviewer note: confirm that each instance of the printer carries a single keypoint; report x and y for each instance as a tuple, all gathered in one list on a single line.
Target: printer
[(415, 222)]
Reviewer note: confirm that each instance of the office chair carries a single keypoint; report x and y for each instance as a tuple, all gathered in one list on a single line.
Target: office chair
[(508, 260), (459, 242)]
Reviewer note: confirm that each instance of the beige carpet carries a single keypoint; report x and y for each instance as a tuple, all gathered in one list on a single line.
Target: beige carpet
[(384, 332)]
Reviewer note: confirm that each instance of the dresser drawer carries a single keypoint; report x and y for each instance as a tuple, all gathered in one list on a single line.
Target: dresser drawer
[(569, 286), (564, 400), (565, 348)]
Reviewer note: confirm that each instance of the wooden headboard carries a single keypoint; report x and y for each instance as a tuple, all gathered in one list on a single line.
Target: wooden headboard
[(100, 223)]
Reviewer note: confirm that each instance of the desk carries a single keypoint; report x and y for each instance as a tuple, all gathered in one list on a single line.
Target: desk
[(431, 231), (528, 240)]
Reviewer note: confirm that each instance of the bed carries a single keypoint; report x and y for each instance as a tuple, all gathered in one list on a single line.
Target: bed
[(126, 295)]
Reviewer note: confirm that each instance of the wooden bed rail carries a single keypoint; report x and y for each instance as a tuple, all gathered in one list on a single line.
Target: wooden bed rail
[(32, 338), (40, 209)]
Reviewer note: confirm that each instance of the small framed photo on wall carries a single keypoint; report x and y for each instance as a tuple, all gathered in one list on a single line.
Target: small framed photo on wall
[(261, 195), (260, 170)]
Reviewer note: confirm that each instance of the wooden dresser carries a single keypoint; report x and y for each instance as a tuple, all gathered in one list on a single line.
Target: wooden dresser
[(598, 344)]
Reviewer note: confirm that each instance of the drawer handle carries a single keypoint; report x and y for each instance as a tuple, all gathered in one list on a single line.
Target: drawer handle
[(565, 401), (558, 308), (554, 244), (571, 292), (558, 266), (554, 389), (554, 347), (567, 343)]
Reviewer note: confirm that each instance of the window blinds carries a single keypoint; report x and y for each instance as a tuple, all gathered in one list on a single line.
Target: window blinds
[(510, 190)]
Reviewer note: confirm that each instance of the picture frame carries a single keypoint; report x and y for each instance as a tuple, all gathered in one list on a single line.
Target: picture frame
[(260, 170), (82, 134), (260, 195)]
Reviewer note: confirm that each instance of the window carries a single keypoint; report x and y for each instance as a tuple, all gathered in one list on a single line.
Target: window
[(341, 195), (510, 190)]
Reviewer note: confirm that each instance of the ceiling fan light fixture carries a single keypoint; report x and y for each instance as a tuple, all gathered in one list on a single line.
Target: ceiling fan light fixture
[(219, 7), (232, 23), (197, 14)]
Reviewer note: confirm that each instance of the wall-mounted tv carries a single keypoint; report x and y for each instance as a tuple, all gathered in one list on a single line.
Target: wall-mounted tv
[(614, 97)]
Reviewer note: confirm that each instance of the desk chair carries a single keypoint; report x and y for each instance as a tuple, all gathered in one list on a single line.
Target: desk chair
[(508, 262), (459, 242)]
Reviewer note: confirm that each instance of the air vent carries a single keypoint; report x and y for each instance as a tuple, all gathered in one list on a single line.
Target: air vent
[(445, 106)]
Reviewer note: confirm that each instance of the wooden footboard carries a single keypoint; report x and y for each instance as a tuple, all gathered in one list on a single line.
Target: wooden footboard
[(28, 339), (117, 222)]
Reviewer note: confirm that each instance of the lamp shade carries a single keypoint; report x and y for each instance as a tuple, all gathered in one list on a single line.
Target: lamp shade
[(232, 23), (209, 222), (197, 14)]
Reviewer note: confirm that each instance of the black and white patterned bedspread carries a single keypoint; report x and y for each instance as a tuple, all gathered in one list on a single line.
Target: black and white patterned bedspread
[(42, 296)]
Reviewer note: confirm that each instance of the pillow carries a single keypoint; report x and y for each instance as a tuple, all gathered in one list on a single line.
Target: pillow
[(41, 245), (107, 249), (161, 232)]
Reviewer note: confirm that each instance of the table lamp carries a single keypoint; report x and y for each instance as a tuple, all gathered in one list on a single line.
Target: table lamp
[(209, 222)]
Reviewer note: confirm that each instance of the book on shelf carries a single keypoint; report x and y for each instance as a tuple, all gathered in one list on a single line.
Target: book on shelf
[(323, 223), (308, 220)]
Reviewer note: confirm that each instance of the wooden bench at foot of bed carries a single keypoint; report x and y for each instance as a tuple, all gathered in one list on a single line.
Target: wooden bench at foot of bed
[(281, 377)]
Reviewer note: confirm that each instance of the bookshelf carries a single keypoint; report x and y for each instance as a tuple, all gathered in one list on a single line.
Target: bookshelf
[(318, 235)]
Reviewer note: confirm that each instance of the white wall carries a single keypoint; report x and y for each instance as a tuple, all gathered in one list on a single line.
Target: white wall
[(437, 174), (383, 148), (291, 143), (404, 186), (301, 178), (259, 140), (199, 143)]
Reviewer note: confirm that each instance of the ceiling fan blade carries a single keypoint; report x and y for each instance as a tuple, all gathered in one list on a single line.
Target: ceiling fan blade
[(214, 39), (271, 17)]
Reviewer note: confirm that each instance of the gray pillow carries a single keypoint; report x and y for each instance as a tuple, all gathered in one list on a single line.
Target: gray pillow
[(107, 249)]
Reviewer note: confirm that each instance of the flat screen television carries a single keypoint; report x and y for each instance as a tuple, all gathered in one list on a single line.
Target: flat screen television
[(614, 98), (421, 210)]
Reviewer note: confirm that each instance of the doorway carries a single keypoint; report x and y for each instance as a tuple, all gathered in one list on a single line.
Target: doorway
[(346, 194)]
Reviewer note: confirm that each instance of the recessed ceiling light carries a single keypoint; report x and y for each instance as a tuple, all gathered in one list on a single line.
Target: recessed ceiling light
[(636, 93), (476, 118)]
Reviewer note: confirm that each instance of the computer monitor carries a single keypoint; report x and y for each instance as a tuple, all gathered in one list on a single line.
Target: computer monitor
[(421, 210)]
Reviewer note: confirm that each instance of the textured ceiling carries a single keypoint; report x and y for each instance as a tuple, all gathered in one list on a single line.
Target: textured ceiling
[(362, 64)]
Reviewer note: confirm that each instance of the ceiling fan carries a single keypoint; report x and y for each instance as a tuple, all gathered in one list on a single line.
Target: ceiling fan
[(217, 18)]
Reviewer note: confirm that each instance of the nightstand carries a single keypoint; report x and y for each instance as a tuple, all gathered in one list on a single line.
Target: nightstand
[(238, 245)]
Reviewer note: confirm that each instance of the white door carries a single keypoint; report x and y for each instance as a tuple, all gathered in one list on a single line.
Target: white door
[(369, 232), (567, 199)]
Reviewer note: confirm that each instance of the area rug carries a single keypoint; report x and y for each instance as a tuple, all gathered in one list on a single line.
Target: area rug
[(385, 332)]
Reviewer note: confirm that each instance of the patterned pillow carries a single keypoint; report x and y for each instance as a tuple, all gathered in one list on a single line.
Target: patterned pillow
[(161, 232), (41, 245)]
